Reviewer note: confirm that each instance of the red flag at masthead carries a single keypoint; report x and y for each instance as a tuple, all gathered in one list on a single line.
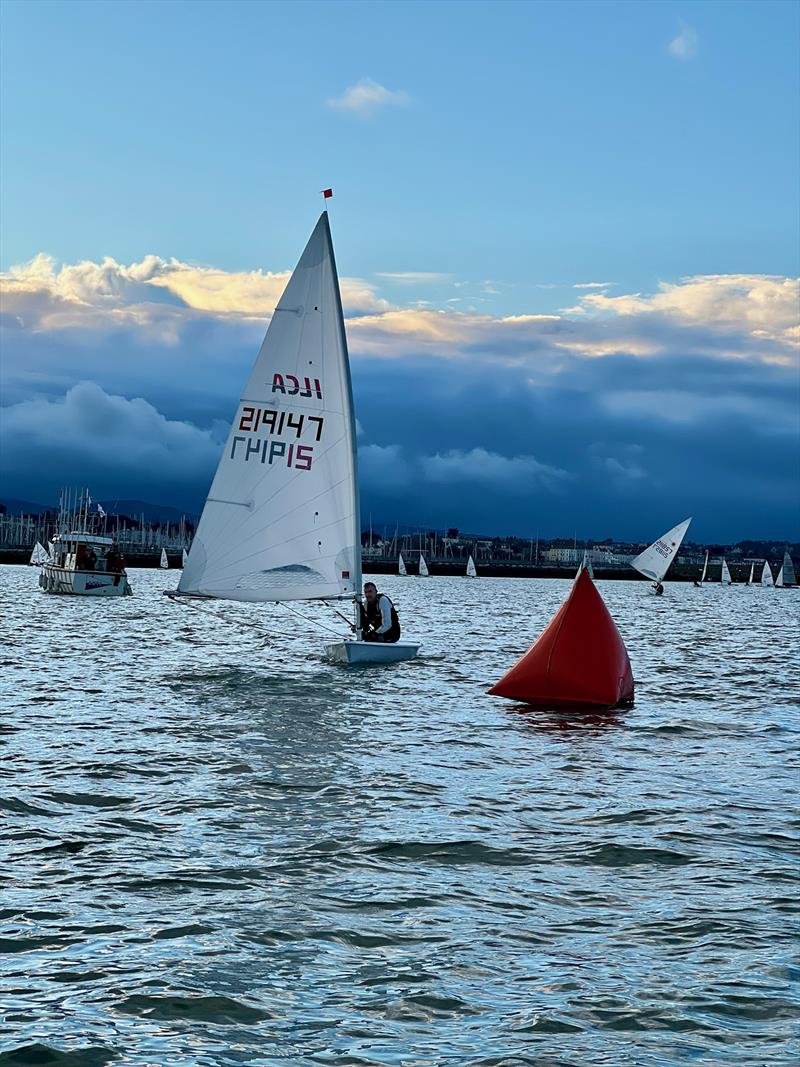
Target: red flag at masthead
[(327, 193)]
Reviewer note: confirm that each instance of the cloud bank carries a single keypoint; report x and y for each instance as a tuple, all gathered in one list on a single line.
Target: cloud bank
[(608, 417)]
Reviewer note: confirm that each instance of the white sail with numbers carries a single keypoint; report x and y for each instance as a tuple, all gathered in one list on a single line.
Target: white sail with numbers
[(281, 521), (471, 570), (423, 567), (766, 575), (655, 560)]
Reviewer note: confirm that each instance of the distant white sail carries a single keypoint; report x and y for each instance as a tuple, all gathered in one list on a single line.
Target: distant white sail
[(789, 577), (163, 562), (725, 576), (281, 521), (655, 560), (779, 579), (401, 566), (184, 557), (766, 575), (39, 555), (705, 568), (423, 567), (471, 570), (752, 572)]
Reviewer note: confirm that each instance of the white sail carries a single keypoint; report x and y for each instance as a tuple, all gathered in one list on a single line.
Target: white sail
[(163, 562), (752, 572), (789, 577), (423, 567), (281, 521), (401, 566), (471, 570), (725, 575), (779, 579), (766, 575), (39, 555), (705, 568), (184, 557), (655, 560)]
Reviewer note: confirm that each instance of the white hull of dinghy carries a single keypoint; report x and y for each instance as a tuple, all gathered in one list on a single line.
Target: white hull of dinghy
[(354, 652)]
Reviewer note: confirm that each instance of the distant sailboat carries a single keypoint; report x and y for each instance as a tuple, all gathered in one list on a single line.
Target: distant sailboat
[(779, 579), (654, 562), (789, 577), (184, 557), (163, 562), (423, 567), (282, 521), (39, 555), (471, 570), (766, 575), (725, 575), (752, 572), (705, 569)]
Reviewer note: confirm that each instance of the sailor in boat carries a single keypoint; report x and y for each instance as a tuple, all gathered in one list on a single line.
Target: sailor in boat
[(658, 589), (379, 621)]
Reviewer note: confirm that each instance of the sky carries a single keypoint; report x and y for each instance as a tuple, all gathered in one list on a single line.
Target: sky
[(568, 238)]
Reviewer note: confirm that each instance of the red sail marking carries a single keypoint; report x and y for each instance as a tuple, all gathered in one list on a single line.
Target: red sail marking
[(579, 660)]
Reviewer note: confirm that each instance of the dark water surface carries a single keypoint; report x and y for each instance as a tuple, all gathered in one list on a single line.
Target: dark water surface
[(221, 850)]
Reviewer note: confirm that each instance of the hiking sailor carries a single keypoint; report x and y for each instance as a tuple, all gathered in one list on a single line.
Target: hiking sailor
[(379, 621)]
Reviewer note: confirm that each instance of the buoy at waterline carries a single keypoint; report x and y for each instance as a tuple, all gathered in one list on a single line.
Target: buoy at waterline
[(579, 660)]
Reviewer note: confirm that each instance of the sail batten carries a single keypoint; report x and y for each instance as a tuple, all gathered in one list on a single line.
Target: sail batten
[(281, 521)]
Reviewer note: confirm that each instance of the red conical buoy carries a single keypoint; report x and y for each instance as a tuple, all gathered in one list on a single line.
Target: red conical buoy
[(579, 659)]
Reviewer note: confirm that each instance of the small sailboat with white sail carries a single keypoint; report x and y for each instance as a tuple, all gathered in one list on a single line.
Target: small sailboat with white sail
[(281, 521), (766, 575), (164, 561), (779, 579), (725, 574), (184, 557), (705, 572), (787, 570), (39, 555), (472, 571), (423, 567), (654, 562), (402, 570), (752, 572)]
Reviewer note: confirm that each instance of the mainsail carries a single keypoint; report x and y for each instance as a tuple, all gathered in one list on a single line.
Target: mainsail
[(655, 560), (471, 570), (184, 557), (39, 555), (779, 579), (163, 562), (789, 577), (281, 521), (752, 572), (705, 568), (766, 575), (423, 567), (401, 566), (725, 575)]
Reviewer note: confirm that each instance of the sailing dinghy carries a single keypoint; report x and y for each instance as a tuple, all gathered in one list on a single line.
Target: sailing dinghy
[(654, 562), (705, 569), (766, 575), (164, 561), (471, 569), (423, 567), (39, 555), (281, 521), (184, 557), (779, 579), (401, 566), (752, 572), (789, 577), (725, 574)]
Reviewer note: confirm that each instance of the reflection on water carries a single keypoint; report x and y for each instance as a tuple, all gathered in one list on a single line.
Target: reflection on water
[(219, 849)]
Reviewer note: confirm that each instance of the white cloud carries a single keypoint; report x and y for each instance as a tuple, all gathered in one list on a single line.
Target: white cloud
[(368, 96), (414, 277), (685, 45), (479, 466), (592, 285)]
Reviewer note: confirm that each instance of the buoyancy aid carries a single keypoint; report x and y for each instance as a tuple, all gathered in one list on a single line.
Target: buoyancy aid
[(371, 618)]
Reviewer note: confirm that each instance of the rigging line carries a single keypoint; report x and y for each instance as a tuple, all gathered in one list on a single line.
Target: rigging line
[(314, 622), (240, 623)]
